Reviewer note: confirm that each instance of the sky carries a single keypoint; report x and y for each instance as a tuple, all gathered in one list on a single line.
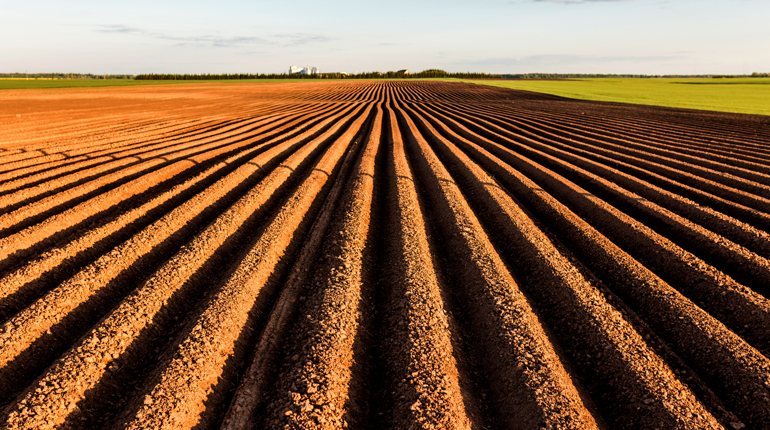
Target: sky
[(268, 36)]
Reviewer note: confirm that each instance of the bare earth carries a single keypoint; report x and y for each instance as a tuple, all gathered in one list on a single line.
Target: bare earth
[(405, 255)]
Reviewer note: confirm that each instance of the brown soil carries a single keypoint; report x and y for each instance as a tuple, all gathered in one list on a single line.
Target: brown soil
[(415, 255)]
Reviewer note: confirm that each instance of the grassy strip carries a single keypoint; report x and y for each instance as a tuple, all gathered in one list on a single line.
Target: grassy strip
[(20, 84), (740, 95)]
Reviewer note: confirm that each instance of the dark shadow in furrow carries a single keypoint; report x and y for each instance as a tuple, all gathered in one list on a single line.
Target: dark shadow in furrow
[(279, 118), (155, 143), (159, 144), (375, 297), (740, 212), (722, 261), (546, 113), (182, 131), (104, 403), (683, 151), (729, 130), (109, 152), (669, 145), (685, 281), (734, 209), (710, 197), (732, 267), (110, 213), (733, 126), (40, 354), (718, 129), (159, 136), (98, 219), (480, 352), (75, 200), (366, 377), (81, 198), (741, 178), (116, 156), (688, 375), (17, 158), (471, 385), (219, 400), (185, 135), (590, 127), (33, 291), (221, 394), (82, 129), (13, 207), (41, 168), (258, 316), (732, 264), (747, 178), (580, 365), (32, 362), (382, 400), (358, 408), (687, 143)]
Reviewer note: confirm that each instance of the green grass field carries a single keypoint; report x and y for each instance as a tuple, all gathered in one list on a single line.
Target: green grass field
[(19, 84), (739, 95)]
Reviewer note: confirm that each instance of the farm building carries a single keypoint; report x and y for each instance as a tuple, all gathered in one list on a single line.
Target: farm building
[(304, 71), (404, 72)]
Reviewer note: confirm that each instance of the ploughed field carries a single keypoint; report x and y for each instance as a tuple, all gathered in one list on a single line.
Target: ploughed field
[(380, 255)]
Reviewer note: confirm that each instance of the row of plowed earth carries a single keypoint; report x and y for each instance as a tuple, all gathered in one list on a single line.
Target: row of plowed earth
[(381, 255)]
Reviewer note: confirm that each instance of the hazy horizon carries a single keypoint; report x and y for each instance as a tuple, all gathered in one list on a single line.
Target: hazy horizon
[(522, 36)]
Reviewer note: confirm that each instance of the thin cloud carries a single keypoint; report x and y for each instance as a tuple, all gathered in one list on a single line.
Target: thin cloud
[(300, 38), (120, 29), (217, 41)]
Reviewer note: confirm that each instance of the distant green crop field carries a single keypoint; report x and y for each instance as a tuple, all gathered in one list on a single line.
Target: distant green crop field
[(739, 95), (19, 84)]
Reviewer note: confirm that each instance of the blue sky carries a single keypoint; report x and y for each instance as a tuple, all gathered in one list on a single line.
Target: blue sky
[(514, 36)]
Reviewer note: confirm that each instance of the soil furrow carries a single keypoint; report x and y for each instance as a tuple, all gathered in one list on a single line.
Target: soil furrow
[(259, 377), (695, 157), (101, 203), (137, 311), (741, 369), (531, 386), (650, 171), (211, 343), (717, 176), (92, 157), (625, 381), (422, 373), (379, 254)]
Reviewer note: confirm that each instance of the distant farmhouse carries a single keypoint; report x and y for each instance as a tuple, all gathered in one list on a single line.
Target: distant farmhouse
[(404, 72), (304, 71)]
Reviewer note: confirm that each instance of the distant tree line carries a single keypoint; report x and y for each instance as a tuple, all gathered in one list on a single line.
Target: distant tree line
[(437, 73), (61, 76), (753, 75), (216, 77), (430, 73)]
